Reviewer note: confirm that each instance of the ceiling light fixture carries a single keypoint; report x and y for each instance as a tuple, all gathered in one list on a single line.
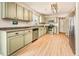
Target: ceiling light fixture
[(54, 8)]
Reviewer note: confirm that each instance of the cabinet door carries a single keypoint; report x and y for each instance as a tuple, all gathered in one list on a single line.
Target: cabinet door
[(40, 31), (19, 12), (26, 17), (42, 19), (45, 30), (14, 43), (30, 16), (10, 10), (28, 37)]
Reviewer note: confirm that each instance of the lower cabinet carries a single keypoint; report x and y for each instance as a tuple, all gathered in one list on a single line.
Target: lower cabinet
[(13, 40), (14, 43), (28, 36), (42, 31), (45, 30)]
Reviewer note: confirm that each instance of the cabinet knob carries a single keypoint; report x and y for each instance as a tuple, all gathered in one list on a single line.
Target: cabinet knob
[(16, 33)]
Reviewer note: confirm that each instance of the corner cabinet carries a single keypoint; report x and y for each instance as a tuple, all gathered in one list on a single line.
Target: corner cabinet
[(8, 10)]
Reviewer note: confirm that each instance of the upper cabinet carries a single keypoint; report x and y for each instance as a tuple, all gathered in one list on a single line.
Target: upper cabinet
[(42, 19), (30, 16), (14, 11), (9, 10), (26, 15), (19, 12)]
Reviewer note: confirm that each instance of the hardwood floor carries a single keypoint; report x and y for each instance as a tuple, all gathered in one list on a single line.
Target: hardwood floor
[(48, 45)]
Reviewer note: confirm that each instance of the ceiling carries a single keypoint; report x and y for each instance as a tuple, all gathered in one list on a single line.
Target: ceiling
[(45, 7)]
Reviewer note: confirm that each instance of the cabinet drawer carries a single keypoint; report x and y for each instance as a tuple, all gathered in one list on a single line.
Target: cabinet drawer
[(14, 43), (15, 33), (28, 31)]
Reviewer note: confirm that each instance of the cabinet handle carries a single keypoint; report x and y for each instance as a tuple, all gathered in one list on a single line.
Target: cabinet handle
[(16, 33)]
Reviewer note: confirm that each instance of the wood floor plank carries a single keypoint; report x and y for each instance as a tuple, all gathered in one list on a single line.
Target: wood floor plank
[(48, 45)]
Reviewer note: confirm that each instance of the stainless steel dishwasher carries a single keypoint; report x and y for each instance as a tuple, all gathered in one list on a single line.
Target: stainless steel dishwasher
[(35, 34)]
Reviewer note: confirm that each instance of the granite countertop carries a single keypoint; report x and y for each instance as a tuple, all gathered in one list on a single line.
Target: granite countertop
[(9, 28), (23, 27)]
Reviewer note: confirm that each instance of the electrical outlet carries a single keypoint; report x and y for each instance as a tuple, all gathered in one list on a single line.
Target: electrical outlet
[(14, 22)]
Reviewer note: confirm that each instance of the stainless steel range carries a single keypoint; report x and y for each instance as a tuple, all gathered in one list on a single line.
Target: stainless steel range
[(50, 29)]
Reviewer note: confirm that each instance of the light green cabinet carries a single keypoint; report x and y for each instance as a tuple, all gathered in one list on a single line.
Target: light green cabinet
[(26, 15), (28, 36), (14, 11), (39, 32), (42, 31), (30, 16), (42, 19), (19, 12), (11, 41), (14, 43), (9, 10), (45, 30)]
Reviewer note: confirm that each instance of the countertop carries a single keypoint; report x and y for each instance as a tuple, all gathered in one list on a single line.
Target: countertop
[(19, 28)]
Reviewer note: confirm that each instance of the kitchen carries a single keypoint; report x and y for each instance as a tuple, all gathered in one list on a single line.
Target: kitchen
[(24, 23)]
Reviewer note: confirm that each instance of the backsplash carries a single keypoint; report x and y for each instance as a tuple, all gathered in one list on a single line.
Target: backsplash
[(8, 23)]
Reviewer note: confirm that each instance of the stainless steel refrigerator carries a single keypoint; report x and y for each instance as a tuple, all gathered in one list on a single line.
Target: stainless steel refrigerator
[(72, 33)]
